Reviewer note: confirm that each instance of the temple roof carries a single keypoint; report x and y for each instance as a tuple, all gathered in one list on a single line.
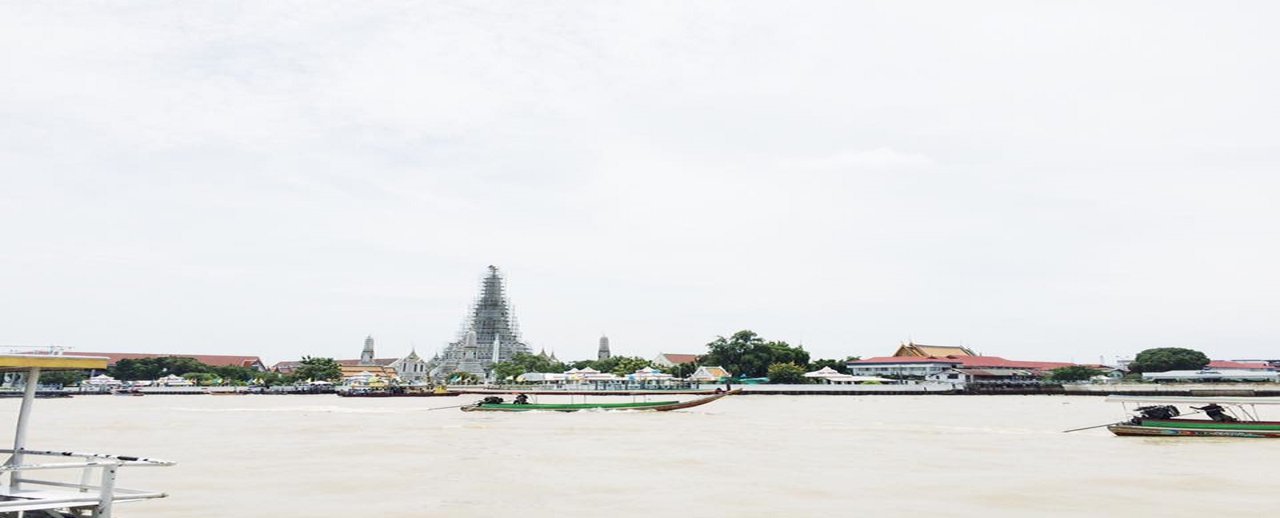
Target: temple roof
[(966, 361), (921, 350)]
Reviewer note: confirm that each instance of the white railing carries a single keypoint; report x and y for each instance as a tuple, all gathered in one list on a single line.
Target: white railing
[(96, 494)]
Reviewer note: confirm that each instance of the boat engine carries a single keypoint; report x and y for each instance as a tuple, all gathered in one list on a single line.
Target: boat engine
[(1156, 412), (494, 400)]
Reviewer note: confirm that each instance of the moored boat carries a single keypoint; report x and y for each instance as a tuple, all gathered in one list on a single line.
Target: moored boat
[(397, 391), (1217, 417), (496, 404)]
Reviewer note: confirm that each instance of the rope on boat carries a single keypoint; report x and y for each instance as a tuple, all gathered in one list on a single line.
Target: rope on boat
[(444, 407), (1089, 427)]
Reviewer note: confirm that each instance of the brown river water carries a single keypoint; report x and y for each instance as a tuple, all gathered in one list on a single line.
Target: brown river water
[(322, 455)]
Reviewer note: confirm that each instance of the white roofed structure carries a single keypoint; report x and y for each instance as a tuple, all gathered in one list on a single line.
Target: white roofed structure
[(31, 489), (1213, 375)]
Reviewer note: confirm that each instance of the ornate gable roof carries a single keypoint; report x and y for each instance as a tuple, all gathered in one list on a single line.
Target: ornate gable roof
[(911, 349)]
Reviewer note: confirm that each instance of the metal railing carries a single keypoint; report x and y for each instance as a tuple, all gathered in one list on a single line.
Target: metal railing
[(92, 494)]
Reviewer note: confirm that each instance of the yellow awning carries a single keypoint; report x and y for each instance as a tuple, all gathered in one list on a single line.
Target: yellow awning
[(22, 362)]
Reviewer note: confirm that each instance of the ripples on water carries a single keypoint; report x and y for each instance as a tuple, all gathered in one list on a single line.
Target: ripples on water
[(742, 456)]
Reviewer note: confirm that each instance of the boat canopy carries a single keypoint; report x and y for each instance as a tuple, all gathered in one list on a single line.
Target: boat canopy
[(23, 492), (1225, 400), (50, 362)]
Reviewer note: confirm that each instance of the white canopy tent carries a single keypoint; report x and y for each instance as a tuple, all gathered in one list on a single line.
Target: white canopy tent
[(103, 380), (823, 372), (649, 374), (173, 380), (834, 377)]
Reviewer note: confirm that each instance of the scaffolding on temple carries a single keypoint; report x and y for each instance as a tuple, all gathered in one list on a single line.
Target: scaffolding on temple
[(490, 330)]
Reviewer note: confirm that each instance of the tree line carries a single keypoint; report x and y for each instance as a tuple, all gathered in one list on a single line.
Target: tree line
[(200, 373), (744, 354)]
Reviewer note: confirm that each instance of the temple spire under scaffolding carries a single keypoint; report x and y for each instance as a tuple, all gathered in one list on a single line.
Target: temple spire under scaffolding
[(493, 323)]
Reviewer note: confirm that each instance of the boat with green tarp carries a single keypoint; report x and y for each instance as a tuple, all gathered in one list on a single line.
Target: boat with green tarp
[(1217, 417), (496, 404)]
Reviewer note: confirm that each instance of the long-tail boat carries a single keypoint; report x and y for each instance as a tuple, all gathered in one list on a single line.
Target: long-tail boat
[(1216, 417), (495, 404)]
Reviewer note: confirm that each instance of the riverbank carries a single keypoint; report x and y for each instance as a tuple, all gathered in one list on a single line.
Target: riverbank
[(926, 389), (196, 391), (912, 389)]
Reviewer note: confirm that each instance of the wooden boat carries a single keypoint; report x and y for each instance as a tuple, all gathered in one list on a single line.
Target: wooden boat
[(655, 406), (96, 493), (1218, 417)]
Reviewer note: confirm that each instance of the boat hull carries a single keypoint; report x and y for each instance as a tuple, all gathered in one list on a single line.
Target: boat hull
[(652, 406), (1245, 430)]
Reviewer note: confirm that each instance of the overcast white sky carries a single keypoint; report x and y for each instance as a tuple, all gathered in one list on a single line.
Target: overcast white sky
[(1035, 180)]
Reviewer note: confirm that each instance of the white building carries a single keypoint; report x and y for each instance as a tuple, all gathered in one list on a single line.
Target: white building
[(667, 360), (411, 368), (709, 374), (913, 367)]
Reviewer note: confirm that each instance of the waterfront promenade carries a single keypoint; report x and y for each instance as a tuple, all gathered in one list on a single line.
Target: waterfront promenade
[(907, 389), (914, 389)]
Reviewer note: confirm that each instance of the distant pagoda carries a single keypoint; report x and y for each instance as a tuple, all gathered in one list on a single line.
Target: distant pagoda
[(491, 335), (603, 353)]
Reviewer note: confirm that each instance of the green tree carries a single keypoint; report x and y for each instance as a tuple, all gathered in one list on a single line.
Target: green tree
[(202, 379), (155, 367), (271, 379), (786, 373), (505, 371), (620, 365), (521, 363), (464, 378), (62, 378), (737, 354), (624, 365), (746, 354), (180, 365), (841, 366), (1163, 359), (318, 369), (783, 353), (235, 374), (1073, 373), (135, 369)]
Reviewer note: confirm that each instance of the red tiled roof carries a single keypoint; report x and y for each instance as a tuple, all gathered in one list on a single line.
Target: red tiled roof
[(376, 361), (965, 361), (216, 360), (681, 358), (1227, 364)]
